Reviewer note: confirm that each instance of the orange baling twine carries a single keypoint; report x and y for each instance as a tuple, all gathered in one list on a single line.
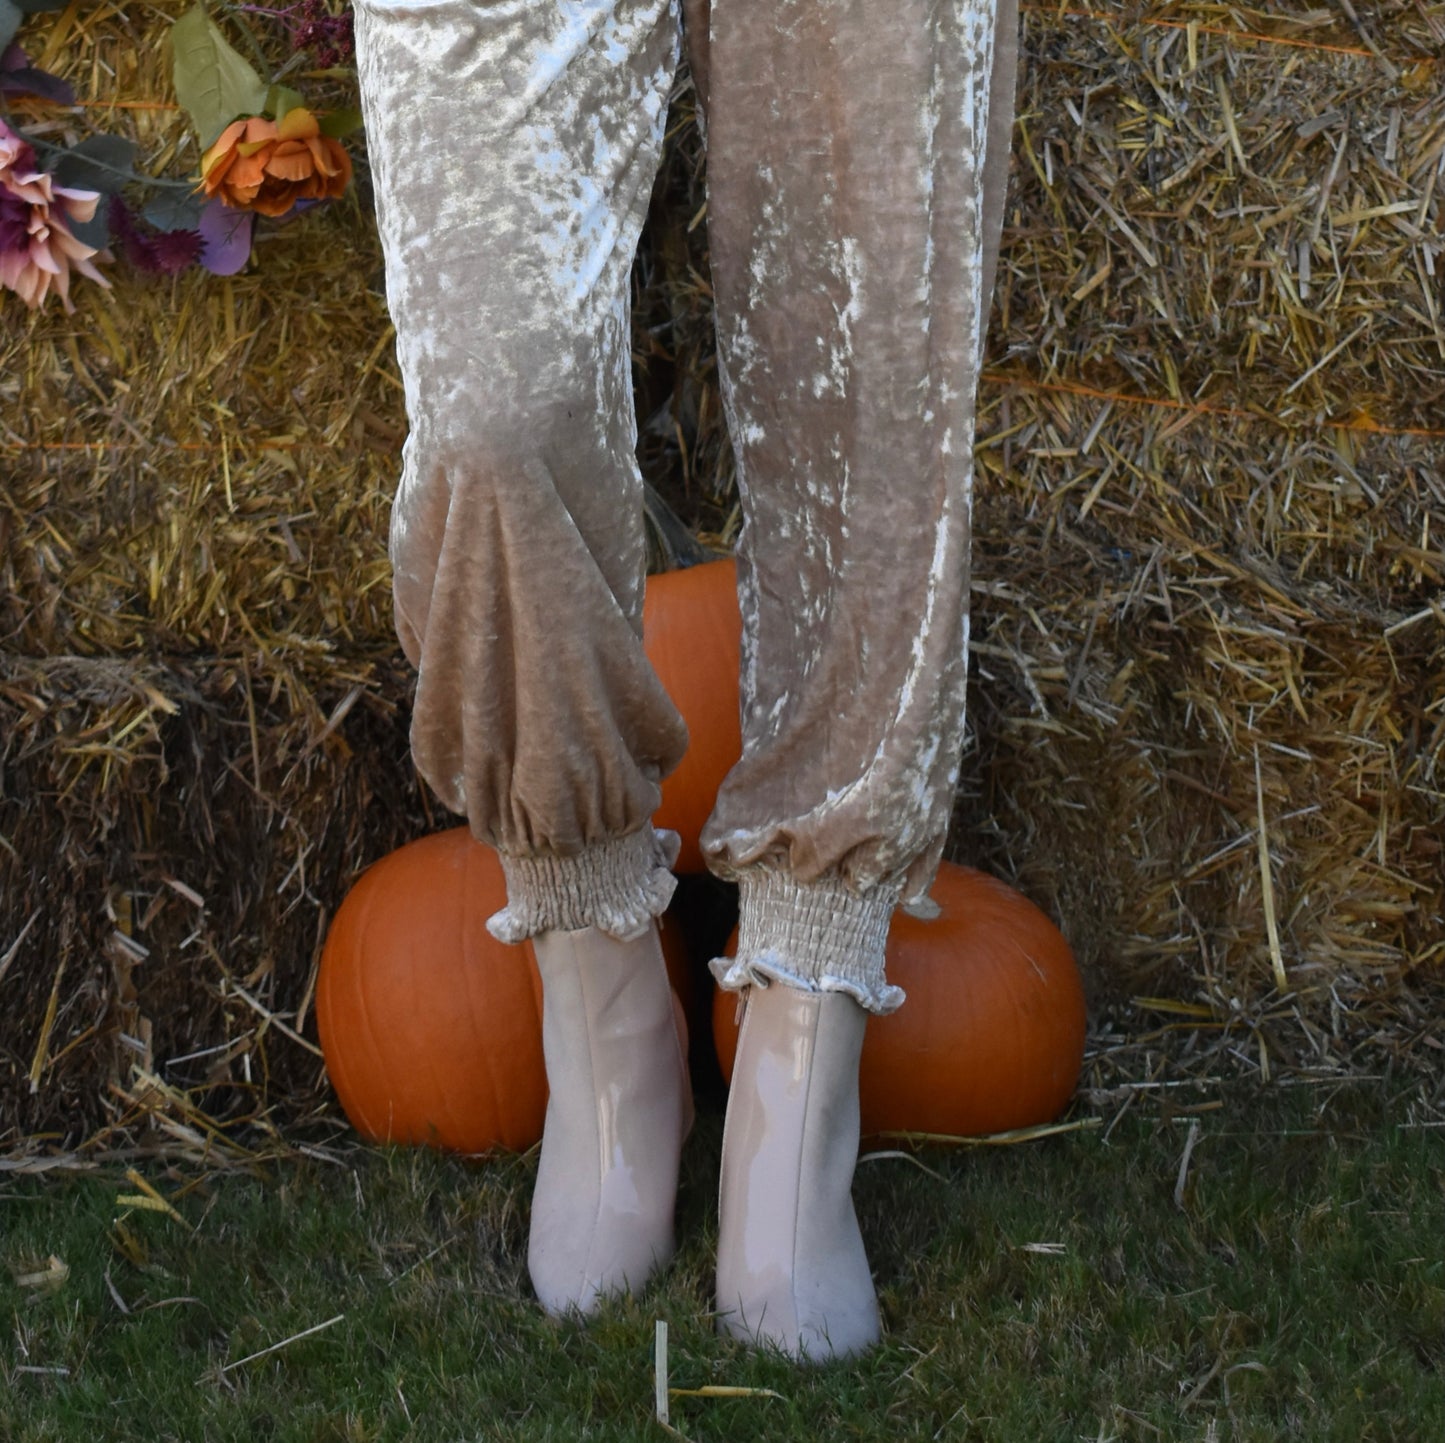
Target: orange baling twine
[(1003, 379), (1253, 37), (1200, 408)]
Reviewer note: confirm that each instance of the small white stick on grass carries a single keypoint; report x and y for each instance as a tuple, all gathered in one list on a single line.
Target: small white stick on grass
[(284, 1343), (659, 1373), (115, 1294), (900, 1156), (1184, 1162)]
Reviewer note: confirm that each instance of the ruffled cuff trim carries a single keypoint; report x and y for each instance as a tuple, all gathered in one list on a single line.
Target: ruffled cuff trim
[(734, 976), (617, 886), (817, 936)]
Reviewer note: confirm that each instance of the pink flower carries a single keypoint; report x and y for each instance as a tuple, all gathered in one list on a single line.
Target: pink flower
[(37, 249)]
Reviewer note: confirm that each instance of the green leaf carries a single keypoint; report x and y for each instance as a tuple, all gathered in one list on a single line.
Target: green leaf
[(280, 99), (341, 122), (33, 7), (213, 82), (99, 162), (93, 232), (174, 210), (10, 18)]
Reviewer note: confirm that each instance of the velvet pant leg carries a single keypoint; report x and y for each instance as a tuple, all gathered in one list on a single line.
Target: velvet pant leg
[(514, 145), (856, 153), (857, 156)]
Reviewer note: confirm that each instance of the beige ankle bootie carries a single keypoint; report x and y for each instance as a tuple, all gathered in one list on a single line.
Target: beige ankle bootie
[(618, 1110), (791, 1269)]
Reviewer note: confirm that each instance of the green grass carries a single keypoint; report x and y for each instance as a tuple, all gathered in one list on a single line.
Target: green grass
[(1297, 1293)]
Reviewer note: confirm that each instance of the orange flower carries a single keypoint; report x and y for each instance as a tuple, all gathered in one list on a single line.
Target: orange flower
[(268, 165)]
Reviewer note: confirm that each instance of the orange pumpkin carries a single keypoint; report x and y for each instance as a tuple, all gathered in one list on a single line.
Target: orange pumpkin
[(431, 1028), (992, 1034), (692, 630)]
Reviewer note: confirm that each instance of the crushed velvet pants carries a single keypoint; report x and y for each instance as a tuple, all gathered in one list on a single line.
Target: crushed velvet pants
[(857, 158)]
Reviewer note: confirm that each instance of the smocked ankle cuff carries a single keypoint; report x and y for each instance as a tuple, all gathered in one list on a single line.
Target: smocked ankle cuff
[(818, 936), (617, 886)]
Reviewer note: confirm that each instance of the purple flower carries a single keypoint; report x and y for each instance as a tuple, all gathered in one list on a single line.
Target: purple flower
[(166, 252), (173, 250), (14, 223)]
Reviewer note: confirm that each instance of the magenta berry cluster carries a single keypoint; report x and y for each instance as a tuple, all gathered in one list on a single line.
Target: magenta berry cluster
[(328, 37), (313, 26)]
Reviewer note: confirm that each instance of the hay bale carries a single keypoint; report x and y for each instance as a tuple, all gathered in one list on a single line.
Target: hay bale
[(1206, 576), (181, 829), (1209, 699)]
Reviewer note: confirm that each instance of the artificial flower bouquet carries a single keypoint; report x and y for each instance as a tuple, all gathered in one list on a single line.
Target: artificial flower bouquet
[(264, 153)]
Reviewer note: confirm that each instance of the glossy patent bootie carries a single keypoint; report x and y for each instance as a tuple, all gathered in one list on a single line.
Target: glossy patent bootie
[(791, 1269), (619, 1107)]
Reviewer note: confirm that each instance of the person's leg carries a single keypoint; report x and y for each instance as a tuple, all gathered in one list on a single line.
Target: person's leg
[(856, 155), (514, 147)]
